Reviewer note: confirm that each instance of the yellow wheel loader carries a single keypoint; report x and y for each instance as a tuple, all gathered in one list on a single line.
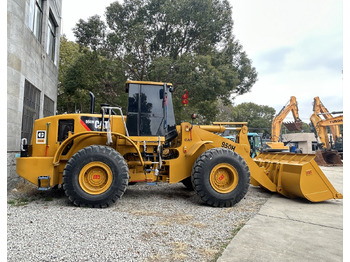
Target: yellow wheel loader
[(96, 156)]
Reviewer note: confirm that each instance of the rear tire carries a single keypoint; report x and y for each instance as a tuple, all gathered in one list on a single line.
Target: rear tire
[(95, 176), (221, 177)]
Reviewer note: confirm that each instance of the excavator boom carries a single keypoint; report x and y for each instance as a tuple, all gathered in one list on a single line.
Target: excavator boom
[(320, 109), (277, 121), (327, 156)]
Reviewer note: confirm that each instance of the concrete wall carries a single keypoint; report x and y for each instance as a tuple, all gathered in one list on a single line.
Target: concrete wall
[(304, 141), (27, 59)]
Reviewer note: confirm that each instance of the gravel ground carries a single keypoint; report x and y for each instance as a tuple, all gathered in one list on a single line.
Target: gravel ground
[(150, 223)]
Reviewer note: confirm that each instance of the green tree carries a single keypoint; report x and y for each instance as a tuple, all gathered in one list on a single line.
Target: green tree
[(259, 117), (81, 71), (187, 42), (69, 52), (91, 33)]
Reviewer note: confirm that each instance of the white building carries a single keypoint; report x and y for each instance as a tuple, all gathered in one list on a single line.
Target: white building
[(305, 141), (33, 34)]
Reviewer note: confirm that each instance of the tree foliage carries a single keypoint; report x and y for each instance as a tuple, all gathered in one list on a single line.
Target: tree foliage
[(85, 71), (259, 117), (187, 42)]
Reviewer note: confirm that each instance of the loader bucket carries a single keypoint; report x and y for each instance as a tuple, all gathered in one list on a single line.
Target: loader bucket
[(297, 175), (328, 158)]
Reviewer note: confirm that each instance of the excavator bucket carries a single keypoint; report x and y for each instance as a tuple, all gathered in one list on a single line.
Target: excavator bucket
[(297, 175), (293, 126), (328, 158)]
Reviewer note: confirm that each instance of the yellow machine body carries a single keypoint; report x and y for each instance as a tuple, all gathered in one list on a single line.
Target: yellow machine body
[(58, 140), (49, 159)]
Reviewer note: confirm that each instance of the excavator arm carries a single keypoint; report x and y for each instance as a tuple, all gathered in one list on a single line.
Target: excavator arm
[(320, 109), (334, 121), (321, 127), (277, 121), (321, 130), (327, 155)]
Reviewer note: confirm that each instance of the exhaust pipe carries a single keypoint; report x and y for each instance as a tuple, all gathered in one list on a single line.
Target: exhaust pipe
[(92, 102)]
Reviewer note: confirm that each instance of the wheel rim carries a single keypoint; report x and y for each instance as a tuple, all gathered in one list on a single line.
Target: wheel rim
[(95, 178), (223, 178)]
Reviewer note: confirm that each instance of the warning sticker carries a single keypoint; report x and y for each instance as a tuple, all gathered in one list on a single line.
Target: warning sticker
[(40, 136), (309, 172)]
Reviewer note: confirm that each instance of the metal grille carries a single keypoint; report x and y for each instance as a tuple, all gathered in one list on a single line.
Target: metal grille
[(49, 107), (31, 107)]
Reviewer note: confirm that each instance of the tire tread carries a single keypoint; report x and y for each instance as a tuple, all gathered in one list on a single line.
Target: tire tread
[(89, 153), (199, 169)]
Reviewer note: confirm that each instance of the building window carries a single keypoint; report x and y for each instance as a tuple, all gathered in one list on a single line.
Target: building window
[(31, 107), (51, 38), (36, 18), (49, 106)]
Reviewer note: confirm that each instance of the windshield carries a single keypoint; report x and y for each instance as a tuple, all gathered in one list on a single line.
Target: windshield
[(257, 141), (150, 111)]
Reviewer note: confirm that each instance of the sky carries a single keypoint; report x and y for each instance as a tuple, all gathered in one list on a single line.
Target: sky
[(296, 47), (297, 50)]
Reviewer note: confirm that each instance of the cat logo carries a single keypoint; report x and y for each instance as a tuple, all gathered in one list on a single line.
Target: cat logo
[(93, 123), (40, 136)]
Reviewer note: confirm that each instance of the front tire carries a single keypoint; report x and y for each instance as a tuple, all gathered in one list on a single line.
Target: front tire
[(95, 176), (221, 177)]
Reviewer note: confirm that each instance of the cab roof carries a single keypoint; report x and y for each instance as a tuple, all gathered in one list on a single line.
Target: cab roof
[(147, 83)]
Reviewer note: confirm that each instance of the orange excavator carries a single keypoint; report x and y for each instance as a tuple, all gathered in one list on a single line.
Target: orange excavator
[(330, 148), (275, 145)]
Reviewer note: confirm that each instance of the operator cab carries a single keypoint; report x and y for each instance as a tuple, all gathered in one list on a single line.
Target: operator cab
[(150, 109), (255, 142)]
